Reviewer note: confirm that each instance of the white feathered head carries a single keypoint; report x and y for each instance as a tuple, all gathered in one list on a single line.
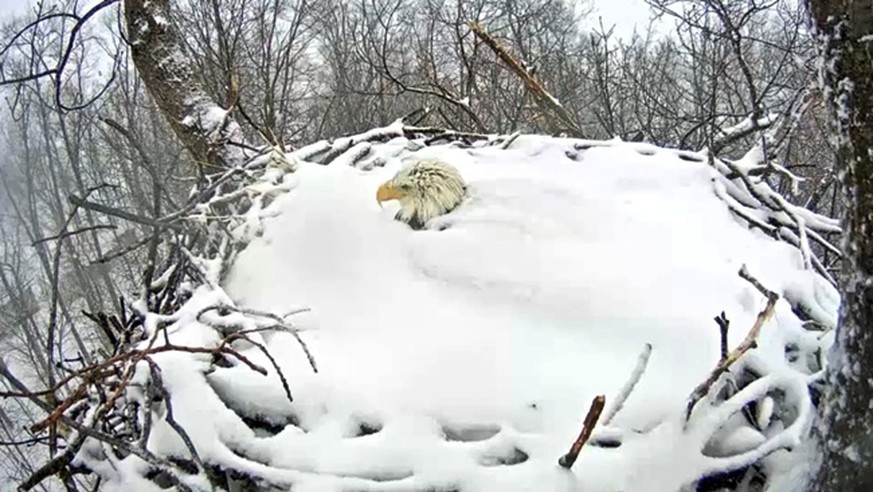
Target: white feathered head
[(425, 189)]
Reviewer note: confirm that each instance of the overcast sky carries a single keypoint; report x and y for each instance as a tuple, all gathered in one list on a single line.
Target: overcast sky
[(10, 7), (623, 14)]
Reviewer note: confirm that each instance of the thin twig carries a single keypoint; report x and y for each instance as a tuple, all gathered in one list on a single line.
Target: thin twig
[(55, 465), (25, 442), (121, 214), (281, 325), (173, 471), (266, 353), (66, 234), (114, 255), (168, 416)]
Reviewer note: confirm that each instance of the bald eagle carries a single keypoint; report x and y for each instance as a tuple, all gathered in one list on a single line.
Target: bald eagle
[(425, 189)]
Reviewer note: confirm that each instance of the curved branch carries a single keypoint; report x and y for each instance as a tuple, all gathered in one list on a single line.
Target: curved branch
[(58, 70)]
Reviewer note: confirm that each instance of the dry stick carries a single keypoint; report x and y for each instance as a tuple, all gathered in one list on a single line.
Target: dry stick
[(66, 234), (548, 104), (745, 275), (723, 326), (720, 144), (25, 442), (55, 465), (267, 354), (509, 141), (151, 394), (254, 312), (280, 325), (60, 462), (776, 203), (739, 209), (628, 387), (295, 333), (173, 471), (568, 459), (155, 371), (53, 303), (134, 356), (411, 131), (306, 350), (121, 214), (59, 410), (114, 255), (748, 343)]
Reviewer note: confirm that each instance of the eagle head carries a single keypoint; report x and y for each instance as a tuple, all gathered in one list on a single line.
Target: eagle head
[(425, 189)]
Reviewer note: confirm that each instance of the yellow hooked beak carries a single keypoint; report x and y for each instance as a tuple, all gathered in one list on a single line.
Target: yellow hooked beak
[(387, 192)]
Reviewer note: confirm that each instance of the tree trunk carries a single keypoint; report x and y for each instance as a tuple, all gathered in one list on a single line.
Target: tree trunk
[(203, 127), (846, 30)]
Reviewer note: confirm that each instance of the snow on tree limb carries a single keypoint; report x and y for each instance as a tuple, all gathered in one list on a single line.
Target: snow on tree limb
[(203, 127), (762, 207), (629, 385)]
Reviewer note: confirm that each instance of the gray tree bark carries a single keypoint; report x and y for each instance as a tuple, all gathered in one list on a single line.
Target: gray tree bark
[(204, 128), (845, 28)]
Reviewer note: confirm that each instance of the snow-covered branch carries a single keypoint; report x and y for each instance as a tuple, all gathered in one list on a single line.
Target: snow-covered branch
[(755, 201)]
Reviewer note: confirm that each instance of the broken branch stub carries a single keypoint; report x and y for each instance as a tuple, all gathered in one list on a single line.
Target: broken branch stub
[(594, 411)]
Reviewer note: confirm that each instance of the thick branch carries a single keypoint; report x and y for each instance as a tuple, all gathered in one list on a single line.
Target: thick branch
[(204, 128)]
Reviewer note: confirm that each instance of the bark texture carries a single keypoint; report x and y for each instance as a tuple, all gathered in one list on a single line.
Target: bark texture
[(846, 31), (203, 127)]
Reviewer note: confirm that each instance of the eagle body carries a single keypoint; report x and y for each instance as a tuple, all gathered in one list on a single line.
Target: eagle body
[(425, 189)]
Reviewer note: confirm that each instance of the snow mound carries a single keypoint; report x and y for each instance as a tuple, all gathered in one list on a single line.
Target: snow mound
[(464, 356), (507, 315)]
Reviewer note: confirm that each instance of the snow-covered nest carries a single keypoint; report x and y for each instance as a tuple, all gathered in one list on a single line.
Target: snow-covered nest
[(465, 357)]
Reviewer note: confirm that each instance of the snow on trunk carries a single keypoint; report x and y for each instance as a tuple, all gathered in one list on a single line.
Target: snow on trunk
[(847, 79), (203, 127)]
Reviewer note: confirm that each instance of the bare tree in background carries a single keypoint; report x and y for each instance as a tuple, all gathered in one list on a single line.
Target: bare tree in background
[(208, 81)]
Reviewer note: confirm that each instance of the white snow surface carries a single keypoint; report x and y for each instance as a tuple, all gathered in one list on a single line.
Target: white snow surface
[(538, 294)]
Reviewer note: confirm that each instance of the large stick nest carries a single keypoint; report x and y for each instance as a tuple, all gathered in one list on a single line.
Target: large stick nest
[(106, 411)]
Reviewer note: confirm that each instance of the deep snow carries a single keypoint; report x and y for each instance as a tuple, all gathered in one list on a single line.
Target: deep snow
[(539, 295)]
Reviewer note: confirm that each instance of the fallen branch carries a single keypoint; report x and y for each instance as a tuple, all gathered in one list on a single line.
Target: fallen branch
[(569, 459)]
